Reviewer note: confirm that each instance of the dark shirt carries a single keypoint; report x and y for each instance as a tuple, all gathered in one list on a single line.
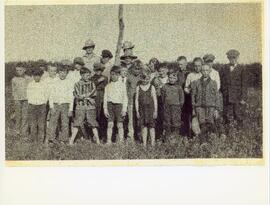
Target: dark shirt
[(172, 94)]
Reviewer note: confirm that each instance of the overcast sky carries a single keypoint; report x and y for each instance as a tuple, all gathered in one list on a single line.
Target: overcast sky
[(163, 31)]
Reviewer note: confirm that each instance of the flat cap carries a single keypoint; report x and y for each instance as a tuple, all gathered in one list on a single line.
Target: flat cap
[(106, 54), (232, 53), (78, 60), (207, 58), (98, 66)]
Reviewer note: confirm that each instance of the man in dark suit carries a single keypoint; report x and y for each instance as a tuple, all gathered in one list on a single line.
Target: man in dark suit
[(234, 89)]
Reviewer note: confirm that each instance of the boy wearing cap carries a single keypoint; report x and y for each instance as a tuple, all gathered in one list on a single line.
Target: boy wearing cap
[(234, 89), (214, 75), (37, 100), (100, 82), (205, 99), (173, 99), (133, 77), (183, 71), (19, 86), (106, 57), (61, 105), (90, 57), (85, 93), (195, 75), (115, 103)]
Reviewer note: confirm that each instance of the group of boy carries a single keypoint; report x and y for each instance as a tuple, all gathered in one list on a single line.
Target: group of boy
[(137, 97)]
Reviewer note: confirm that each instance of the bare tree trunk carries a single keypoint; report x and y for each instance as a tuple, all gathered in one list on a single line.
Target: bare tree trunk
[(120, 36)]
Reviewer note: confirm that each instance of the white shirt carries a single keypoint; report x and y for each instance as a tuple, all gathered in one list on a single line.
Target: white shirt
[(45, 75), (232, 67), (192, 77), (48, 82), (74, 77), (214, 75), (116, 92), (62, 92), (36, 93)]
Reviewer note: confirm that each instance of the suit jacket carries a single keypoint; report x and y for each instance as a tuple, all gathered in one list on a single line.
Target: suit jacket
[(233, 84)]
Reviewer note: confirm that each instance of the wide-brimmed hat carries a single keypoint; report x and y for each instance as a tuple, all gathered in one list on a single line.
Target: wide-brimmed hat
[(98, 66), (89, 43), (123, 57), (128, 45)]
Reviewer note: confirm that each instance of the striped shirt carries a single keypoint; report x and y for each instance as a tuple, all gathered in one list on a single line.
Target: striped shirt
[(84, 93)]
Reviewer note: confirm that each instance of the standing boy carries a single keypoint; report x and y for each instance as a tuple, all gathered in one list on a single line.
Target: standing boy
[(205, 100), (19, 86), (146, 107), (100, 82), (37, 100), (48, 82), (173, 99), (133, 77), (158, 83), (115, 103), (61, 105), (233, 88), (85, 93)]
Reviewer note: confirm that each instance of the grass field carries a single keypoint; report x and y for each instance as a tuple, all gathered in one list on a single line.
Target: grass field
[(246, 143)]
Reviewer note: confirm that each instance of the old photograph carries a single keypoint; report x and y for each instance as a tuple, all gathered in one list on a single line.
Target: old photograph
[(134, 81)]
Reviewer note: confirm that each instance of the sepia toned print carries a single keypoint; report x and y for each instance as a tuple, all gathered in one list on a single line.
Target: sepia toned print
[(134, 82)]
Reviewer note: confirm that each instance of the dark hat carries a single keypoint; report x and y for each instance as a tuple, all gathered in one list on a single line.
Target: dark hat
[(78, 60), (208, 58), (98, 66), (123, 57), (84, 70), (88, 43), (116, 69), (232, 53), (106, 54)]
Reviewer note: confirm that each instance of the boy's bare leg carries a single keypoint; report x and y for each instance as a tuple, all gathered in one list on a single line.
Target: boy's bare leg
[(109, 132), (95, 132), (73, 135), (153, 136), (18, 116), (144, 136), (120, 131), (130, 122)]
